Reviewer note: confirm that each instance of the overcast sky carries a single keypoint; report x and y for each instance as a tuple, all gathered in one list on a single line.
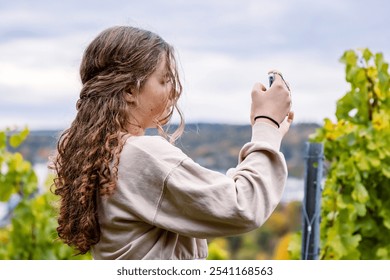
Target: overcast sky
[(224, 47)]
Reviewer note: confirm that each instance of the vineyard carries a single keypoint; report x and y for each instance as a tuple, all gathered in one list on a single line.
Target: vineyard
[(355, 202)]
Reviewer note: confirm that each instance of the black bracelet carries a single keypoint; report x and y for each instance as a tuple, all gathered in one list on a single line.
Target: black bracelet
[(266, 117)]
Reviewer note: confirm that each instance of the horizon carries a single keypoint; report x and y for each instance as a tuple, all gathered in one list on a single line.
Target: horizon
[(173, 124)]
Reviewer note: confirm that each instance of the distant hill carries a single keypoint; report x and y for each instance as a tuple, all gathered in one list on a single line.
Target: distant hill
[(215, 146)]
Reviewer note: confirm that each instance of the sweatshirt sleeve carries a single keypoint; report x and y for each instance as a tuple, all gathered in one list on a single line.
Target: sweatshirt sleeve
[(202, 203)]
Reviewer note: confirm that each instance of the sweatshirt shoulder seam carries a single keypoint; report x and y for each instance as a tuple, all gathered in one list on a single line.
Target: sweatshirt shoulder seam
[(179, 163)]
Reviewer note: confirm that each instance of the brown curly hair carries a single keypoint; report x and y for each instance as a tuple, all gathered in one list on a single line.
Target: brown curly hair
[(86, 165)]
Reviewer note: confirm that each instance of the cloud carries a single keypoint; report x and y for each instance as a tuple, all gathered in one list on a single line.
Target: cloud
[(39, 70), (220, 83), (224, 47)]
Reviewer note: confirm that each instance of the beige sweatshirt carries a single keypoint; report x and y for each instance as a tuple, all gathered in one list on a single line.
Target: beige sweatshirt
[(166, 205)]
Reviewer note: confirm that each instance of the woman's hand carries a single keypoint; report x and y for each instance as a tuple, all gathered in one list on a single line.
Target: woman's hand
[(285, 125), (274, 103)]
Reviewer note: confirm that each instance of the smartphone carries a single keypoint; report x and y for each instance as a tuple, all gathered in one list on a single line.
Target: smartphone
[(271, 78)]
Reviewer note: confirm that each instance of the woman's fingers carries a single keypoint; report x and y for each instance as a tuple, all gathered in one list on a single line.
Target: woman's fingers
[(279, 79), (258, 87)]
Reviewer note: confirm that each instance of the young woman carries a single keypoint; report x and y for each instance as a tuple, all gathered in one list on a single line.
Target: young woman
[(125, 195)]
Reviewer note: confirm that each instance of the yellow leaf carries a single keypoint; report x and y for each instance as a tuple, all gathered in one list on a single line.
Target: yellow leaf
[(380, 120), (281, 249)]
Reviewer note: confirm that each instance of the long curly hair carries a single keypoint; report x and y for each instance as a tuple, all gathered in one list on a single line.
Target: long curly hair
[(86, 164)]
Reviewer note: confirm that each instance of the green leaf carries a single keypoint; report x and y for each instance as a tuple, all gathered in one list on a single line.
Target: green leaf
[(18, 138), (386, 171), (6, 190), (367, 55), (3, 140), (344, 106), (361, 209), (349, 58), (375, 162), (295, 246), (383, 253), (361, 161), (386, 223), (359, 76), (360, 193), (379, 60)]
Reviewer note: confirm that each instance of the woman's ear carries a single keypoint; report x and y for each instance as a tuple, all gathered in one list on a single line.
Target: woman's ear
[(130, 97)]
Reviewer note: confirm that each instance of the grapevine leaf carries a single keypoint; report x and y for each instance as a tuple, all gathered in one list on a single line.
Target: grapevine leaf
[(360, 193), (6, 190), (3, 140), (383, 253), (367, 55), (17, 139)]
